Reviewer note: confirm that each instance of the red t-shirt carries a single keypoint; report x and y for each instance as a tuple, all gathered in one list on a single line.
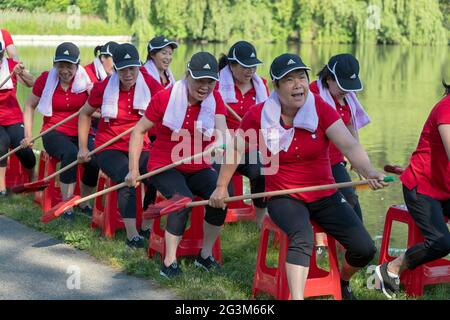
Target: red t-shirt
[(153, 131), (243, 105), (7, 39), (90, 70), (64, 104), (162, 147), (127, 117), (10, 112), (306, 163), (344, 111), (429, 167)]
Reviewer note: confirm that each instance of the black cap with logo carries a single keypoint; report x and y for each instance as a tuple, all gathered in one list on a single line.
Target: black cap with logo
[(160, 42), (203, 65), (284, 64), (68, 52), (1, 47), (126, 55), (243, 53), (108, 48), (345, 68)]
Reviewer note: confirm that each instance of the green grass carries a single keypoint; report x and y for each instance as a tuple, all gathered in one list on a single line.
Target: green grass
[(239, 243), (42, 23)]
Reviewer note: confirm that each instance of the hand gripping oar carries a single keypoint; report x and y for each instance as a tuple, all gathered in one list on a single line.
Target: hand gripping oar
[(60, 208), (42, 184), (178, 202), (394, 169), (6, 80), (233, 113), (42, 134)]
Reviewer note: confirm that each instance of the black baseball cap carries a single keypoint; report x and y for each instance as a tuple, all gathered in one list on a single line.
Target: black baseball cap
[(345, 69), (160, 42), (68, 52), (244, 53), (203, 65), (284, 64), (1, 47), (126, 55), (108, 48)]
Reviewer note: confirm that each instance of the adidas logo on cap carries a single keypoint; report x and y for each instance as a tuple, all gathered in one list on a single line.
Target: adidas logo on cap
[(252, 55), (290, 62), (206, 66), (66, 52), (165, 40), (127, 56), (353, 76)]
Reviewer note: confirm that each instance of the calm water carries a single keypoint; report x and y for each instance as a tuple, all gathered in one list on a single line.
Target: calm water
[(401, 85)]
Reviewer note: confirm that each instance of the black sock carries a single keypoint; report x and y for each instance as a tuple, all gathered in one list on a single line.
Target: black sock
[(345, 283)]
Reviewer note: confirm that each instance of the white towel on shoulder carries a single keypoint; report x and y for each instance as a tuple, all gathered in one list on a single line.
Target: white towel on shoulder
[(226, 87), (81, 83), (275, 136), (110, 103), (100, 71), (4, 73), (177, 107), (153, 71), (359, 116)]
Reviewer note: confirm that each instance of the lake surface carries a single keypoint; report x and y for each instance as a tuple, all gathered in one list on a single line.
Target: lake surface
[(401, 86)]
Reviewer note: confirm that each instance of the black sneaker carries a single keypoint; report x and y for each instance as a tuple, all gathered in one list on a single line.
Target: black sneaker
[(87, 210), (389, 285), (3, 194), (171, 271), (136, 243), (321, 250), (145, 233), (209, 264), (68, 215), (347, 292)]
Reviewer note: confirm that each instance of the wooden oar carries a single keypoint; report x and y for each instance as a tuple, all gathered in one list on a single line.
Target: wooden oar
[(60, 208), (178, 202), (41, 134), (394, 169), (6, 80), (42, 184), (233, 113)]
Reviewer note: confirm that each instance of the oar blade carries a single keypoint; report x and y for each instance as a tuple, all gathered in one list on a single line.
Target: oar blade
[(30, 187), (177, 202), (59, 209)]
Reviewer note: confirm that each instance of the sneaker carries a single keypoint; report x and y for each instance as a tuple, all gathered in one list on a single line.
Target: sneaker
[(347, 292), (3, 194), (320, 250), (209, 264), (87, 210), (68, 215), (145, 233), (389, 285), (171, 271), (136, 243)]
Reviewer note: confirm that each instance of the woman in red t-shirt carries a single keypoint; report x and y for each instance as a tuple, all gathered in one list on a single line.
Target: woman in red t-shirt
[(8, 44), (190, 110), (11, 118), (338, 81), (58, 94), (241, 88), (296, 126), (426, 190), (122, 98)]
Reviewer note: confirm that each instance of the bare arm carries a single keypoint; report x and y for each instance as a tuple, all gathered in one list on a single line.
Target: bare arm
[(23, 76), (28, 113), (84, 125), (12, 52), (444, 131)]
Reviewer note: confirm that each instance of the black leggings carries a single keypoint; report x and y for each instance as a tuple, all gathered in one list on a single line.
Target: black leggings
[(114, 163), (251, 168), (10, 137), (65, 148), (340, 174), (334, 215), (201, 183), (428, 214)]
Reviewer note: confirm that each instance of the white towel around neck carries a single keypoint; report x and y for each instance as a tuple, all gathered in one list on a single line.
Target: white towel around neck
[(360, 118), (226, 87), (81, 83), (110, 103), (275, 136), (4, 73), (177, 107), (100, 71), (2, 41), (153, 70)]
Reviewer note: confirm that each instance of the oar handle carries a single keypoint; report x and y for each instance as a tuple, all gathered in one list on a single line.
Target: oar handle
[(74, 163), (42, 134), (148, 174), (290, 191), (233, 113), (6, 80)]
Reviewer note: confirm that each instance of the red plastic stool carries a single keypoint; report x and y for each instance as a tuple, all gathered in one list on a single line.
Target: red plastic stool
[(239, 210), (15, 172), (273, 280), (51, 195), (105, 213), (191, 242), (433, 272)]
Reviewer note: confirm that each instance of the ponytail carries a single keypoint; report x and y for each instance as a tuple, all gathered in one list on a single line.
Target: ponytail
[(223, 61), (97, 50), (446, 87)]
